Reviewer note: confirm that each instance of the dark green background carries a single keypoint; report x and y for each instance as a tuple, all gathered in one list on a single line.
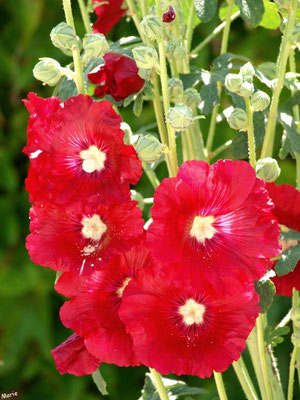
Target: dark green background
[(29, 322)]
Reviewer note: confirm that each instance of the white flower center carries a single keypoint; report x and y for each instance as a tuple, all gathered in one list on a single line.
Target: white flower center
[(122, 288), (202, 228), (93, 227), (93, 159), (192, 312)]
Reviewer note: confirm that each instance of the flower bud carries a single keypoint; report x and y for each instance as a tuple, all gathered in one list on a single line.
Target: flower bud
[(246, 89), (63, 36), (247, 70), (146, 57), (136, 196), (233, 82), (296, 338), (175, 89), (260, 101), (174, 49), (95, 46), (169, 16), (267, 169), (296, 35), (238, 119), (295, 316), (151, 26), (283, 4), (180, 116), (191, 97), (148, 148), (48, 71)]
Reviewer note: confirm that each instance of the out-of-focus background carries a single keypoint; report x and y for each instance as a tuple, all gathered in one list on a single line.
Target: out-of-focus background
[(29, 306)]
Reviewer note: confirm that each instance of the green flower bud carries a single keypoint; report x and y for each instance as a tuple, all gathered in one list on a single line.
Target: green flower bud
[(63, 36), (151, 26), (95, 46), (296, 338), (295, 316), (296, 36), (179, 52), (238, 119), (260, 101), (174, 49), (148, 148), (146, 57), (175, 89), (191, 97), (246, 89), (247, 70), (48, 71), (136, 196), (180, 117), (283, 4), (267, 169), (233, 82)]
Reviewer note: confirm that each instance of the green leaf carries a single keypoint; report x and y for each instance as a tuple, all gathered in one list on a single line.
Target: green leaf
[(288, 123), (185, 7), (271, 18), (266, 73), (286, 147), (292, 235), (209, 97), (274, 337), (266, 291), (206, 9), (223, 11), (251, 10), (190, 80), (288, 261), (138, 104), (100, 382), (67, 89)]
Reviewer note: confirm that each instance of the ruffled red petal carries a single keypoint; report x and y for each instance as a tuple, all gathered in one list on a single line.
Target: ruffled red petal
[(108, 15)]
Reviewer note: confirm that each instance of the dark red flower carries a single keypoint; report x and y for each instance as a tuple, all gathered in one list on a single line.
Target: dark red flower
[(93, 311), (287, 211), (72, 356), (81, 236), (118, 77), (77, 150), (218, 217), (181, 324), (169, 16), (108, 14)]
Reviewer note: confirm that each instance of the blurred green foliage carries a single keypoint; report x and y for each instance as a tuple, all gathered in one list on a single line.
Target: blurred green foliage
[(29, 321)]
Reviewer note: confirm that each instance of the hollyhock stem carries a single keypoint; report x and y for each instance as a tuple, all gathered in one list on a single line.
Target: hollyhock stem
[(224, 45), (220, 386), (292, 374), (245, 380), (214, 33), (151, 175), (134, 16), (190, 29), (267, 149), (76, 52), (163, 394), (85, 16), (262, 356), (250, 132), (295, 303), (219, 150)]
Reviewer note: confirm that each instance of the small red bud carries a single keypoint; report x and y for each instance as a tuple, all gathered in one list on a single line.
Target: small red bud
[(169, 16)]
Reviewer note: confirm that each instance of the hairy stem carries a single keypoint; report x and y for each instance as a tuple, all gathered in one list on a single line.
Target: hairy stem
[(163, 394), (151, 175), (262, 357), (85, 16), (292, 374), (220, 386), (244, 378), (250, 132)]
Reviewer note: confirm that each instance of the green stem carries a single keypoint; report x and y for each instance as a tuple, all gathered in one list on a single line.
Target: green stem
[(221, 148), (163, 394), (214, 33), (134, 16), (144, 6), (295, 303), (250, 132), (292, 374), (267, 149), (220, 386), (85, 16), (190, 29), (151, 175), (224, 45), (75, 52), (245, 380), (262, 356), (285, 320)]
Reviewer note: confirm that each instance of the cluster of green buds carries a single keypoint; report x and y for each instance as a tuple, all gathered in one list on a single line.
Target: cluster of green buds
[(180, 117), (241, 83), (238, 119), (267, 169), (146, 57), (95, 46), (148, 148), (151, 27), (295, 317), (63, 36)]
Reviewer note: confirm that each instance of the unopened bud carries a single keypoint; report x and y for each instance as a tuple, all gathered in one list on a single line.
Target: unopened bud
[(247, 70), (180, 117), (246, 89), (233, 82), (48, 71), (149, 148), (169, 16), (174, 49), (238, 119), (146, 57), (295, 316), (267, 169), (191, 97), (63, 36), (151, 26), (296, 35), (95, 46), (296, 338), (175, 89), (260, 101), (136, 196), (283, 4)]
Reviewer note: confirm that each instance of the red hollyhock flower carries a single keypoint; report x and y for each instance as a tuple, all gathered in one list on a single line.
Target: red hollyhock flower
[(181, 324), (72, 356), (108, 15), (81, 236), (218, 217), (95, 301), (118, 77), (169, 16), (287, 211), (77, 150)]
